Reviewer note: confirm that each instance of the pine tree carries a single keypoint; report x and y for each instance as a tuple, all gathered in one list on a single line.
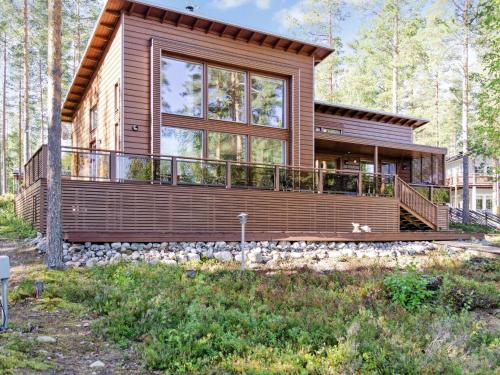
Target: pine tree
[(54, 240)]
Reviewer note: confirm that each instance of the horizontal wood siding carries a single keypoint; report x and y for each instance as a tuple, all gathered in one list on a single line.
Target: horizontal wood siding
[(30, 204), (365, 128), (144, 41), (101, 92), (137, 208)]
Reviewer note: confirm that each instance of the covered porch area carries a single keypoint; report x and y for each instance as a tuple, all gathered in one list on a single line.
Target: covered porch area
[(420, 166)]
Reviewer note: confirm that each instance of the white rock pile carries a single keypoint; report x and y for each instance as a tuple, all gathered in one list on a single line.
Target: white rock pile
[(258, 253)]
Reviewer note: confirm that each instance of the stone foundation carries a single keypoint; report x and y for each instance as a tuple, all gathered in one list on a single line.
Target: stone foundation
[(258, 253)]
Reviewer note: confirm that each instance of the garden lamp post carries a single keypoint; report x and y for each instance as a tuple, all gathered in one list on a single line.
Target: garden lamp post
[(243, 219)]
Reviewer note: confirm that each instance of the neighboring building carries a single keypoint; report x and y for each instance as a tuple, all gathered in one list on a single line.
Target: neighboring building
[(181, 122), (483, 184)]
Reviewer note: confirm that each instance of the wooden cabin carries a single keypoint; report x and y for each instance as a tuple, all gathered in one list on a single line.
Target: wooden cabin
[(181, 122)]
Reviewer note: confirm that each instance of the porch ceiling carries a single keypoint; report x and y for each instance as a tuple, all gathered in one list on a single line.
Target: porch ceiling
[(354, 145)]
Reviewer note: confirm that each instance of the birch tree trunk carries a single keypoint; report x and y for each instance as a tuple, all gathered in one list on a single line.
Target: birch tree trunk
[(27, 130), (465, 111), (4, 117), (54, 242)]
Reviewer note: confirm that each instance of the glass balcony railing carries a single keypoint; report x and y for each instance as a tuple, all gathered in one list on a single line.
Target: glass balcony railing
[(171, 170)]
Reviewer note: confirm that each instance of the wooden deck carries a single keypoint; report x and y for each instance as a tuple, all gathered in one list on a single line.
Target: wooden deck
[(110, 211)]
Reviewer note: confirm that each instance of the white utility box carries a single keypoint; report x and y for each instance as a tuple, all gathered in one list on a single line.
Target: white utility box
[(4, 267)]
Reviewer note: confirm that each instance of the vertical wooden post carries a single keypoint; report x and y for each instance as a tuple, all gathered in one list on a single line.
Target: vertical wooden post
[(228, 174), (174, 171)]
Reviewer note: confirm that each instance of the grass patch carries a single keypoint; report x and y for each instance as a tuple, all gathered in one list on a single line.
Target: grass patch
[(12, 226), (226, 321), (18, 352), (474, 228)]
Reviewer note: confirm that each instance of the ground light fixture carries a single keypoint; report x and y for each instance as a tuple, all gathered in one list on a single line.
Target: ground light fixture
[(243, 220), (4, 279)]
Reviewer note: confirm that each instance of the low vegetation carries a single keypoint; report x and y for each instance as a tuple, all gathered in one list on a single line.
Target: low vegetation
[(11, 226), (220, 320), (474, 228), (17, 352)]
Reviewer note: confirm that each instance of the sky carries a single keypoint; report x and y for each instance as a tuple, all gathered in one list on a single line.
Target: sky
[(265, 15)]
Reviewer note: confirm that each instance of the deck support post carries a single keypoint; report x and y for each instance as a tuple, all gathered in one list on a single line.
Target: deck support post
[(228, 174), (174, 171), (276, 178)]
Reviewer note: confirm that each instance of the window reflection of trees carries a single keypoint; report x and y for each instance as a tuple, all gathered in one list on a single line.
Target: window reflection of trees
[(181, 87), (184, 143), (226, 95), (268, 101)]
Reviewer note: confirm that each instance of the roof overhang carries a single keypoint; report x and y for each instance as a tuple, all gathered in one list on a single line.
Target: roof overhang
[(366, 145), (110, 16), (368, 114)]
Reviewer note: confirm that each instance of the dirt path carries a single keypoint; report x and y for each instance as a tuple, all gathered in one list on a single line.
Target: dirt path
[(75, 347)]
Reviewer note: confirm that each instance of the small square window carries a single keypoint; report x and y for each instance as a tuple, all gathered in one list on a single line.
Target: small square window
[(94, 118)]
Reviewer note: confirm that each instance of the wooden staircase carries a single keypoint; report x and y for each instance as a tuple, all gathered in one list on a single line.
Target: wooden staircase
[(416, 212)]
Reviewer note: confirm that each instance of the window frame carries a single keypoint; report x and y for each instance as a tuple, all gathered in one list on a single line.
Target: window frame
[(247, 92), (249, 73), (94, 111), (203, 141), (247, 145), (204, 103), (284, 145), (285, 99)]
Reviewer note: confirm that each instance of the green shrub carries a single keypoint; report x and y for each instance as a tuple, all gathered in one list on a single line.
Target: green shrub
[(408, 288)]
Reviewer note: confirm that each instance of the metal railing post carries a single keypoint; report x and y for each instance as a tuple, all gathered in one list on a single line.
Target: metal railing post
[(320, 181), (112, 166), (360, 184), (174, 171), (228, 174), (276, 178)]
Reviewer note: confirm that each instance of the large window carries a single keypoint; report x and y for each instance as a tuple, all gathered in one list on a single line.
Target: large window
[(181, 142), (225, 146), (181, 87), (227, 95), (268, 101), (268, 150)]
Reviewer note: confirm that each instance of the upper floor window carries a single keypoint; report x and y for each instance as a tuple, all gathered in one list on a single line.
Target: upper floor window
[(268, 101), (227, 95), (181, 87), (94, 118)]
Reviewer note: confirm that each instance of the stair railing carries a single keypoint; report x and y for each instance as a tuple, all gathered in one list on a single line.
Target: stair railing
[(416, 202)]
